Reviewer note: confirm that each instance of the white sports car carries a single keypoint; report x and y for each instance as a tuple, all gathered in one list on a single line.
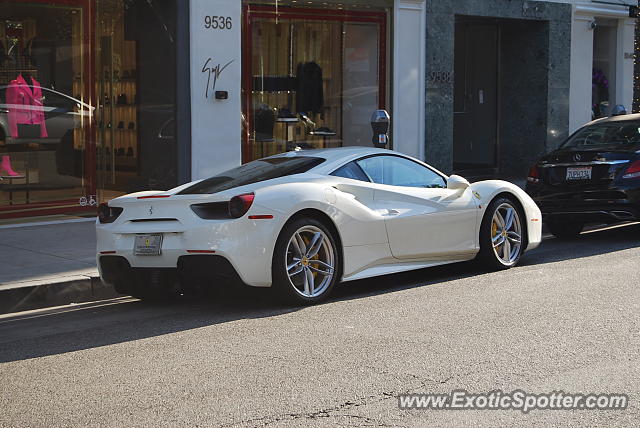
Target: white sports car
[(303, 221)]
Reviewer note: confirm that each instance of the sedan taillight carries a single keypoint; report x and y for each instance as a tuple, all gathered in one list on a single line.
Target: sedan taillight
[(633, 171), (534, 175), (107, 214)]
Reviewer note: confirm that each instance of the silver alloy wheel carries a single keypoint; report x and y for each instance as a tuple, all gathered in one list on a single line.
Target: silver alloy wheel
[(310, 261), (506, 234)]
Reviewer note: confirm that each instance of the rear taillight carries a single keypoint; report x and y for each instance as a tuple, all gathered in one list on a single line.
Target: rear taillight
[(633, 171), (239, 205), (212, 210), (107, 214), (534, 175)]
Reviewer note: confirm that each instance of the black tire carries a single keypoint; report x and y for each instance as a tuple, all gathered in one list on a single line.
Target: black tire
[(282, 284), (487, 256), (565, 229)]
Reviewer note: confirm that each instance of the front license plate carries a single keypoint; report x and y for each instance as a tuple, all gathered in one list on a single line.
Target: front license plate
[(148, 245), (583, 173)]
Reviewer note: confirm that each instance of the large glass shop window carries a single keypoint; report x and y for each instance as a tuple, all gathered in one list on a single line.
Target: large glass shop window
[(45, 107), (87, 102), (312, 77), (136, 96)]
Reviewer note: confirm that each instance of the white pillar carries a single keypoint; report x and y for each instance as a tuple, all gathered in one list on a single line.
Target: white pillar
[(409, 39), (580, 89), (624, 63), (215, 66)]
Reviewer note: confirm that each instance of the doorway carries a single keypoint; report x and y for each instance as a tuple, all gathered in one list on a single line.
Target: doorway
[(476, 71)]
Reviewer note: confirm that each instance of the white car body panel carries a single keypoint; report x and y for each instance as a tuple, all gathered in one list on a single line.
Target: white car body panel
[(431, 227), (424, 222)]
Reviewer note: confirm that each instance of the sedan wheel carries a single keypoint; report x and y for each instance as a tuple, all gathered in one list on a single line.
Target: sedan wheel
[(502, 235), (305, 264)]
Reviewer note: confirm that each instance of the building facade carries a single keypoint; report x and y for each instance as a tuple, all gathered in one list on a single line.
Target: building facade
[(510, 80), (103, 97)]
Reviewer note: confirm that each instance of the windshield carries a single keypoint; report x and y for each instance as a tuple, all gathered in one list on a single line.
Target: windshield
[(254, 172), (606, 134)]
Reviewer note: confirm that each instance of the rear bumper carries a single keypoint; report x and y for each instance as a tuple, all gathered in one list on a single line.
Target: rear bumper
[(608, 215), (193, 271), (589, 205), (245, 243)]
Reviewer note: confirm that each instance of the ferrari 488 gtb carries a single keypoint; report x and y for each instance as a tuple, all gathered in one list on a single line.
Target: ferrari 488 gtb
[(303, 221)]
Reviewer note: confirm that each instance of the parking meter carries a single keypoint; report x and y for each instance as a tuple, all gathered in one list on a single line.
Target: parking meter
[(380, 121)]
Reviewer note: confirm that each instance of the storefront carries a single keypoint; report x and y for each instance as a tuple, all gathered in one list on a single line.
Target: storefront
[(104, 97), (85, 112), (298, 75)]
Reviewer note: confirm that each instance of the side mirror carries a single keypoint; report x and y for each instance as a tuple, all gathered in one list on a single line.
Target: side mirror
[(455, 182)]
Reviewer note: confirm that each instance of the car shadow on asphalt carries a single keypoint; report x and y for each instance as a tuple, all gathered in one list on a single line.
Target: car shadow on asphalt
[(594, 241), (66, 329)]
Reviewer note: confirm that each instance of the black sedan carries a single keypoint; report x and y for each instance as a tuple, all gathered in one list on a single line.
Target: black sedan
[(593, 177)]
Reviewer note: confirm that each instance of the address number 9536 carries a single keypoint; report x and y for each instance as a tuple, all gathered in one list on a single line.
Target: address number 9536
[(218, 22)]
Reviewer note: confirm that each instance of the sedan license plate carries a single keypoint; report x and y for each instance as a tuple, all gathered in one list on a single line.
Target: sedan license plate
[(582, 173), (148, 245)]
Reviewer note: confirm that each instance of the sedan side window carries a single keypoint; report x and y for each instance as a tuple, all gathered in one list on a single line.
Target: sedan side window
[(399, 171)]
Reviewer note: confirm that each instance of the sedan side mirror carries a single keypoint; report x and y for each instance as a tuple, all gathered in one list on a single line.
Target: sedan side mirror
[(455, 182)]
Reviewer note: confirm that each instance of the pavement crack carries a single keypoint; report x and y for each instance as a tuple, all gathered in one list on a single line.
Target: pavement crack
[(331, 412)]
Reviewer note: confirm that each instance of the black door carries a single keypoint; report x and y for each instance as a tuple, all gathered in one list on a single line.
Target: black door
[(475, 131)]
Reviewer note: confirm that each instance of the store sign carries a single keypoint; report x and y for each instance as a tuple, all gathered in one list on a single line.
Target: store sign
[(215, 86)]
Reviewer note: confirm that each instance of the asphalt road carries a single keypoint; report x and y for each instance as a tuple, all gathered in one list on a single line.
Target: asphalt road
[(568, 318)]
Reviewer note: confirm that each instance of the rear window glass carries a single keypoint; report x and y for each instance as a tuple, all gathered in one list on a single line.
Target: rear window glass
[(254, 172), (606, 134)]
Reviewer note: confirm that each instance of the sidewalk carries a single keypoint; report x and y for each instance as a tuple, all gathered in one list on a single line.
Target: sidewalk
[(46, 265)]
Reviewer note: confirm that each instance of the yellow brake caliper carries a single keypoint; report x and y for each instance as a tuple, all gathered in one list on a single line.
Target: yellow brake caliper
[(307, 242), (494, 229)]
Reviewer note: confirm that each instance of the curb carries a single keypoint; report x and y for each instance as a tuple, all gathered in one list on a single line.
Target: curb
[(54, 294)]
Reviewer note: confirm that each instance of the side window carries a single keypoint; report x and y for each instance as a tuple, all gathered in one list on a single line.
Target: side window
[(398, 171), (351, 170)]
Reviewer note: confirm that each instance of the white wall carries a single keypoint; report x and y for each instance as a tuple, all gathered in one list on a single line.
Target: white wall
[(585, 12), (624, 63), (216, 124), (581, 71)]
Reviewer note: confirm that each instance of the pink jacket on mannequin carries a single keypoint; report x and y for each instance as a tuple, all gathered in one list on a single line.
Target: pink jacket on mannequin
[(25, 106)]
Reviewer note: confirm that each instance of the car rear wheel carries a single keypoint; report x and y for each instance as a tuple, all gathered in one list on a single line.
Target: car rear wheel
[(564, 229), (502, 235), (306, 263)]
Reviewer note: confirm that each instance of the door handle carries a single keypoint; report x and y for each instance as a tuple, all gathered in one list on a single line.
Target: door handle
[(392, 211)]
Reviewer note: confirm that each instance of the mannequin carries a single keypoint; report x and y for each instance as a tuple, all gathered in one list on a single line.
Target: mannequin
[(6, 170), (24, 122), (28, 93)]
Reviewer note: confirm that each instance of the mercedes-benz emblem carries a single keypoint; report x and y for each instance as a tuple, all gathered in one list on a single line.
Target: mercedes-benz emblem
[(577, 157), (151, 210)]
